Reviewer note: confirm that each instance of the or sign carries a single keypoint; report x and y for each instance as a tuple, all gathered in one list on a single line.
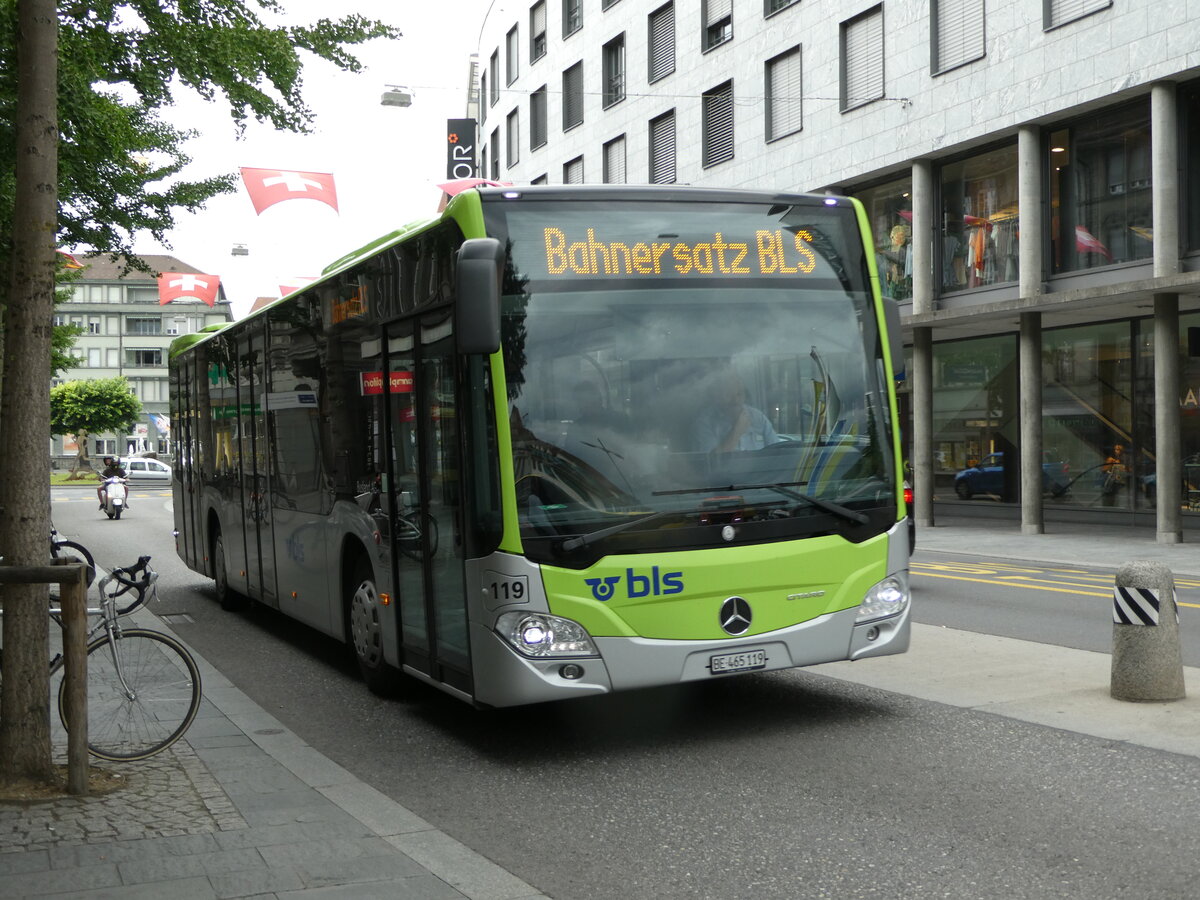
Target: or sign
[(460, 148), (398, 383)]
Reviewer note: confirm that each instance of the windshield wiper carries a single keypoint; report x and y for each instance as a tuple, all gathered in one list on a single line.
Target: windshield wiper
[(785, 489), (591, 537)]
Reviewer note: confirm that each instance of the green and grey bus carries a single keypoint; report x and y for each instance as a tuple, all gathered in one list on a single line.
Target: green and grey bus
[(563, 441)]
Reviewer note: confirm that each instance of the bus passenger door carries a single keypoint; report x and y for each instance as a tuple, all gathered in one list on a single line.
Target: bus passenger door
[(428, 533), (256, 506)]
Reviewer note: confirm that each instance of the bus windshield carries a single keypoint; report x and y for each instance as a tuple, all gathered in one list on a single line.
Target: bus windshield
[(678, 367)]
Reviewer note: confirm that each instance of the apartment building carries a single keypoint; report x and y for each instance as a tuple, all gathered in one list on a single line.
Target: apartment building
[(1031, 174), (127, 331)]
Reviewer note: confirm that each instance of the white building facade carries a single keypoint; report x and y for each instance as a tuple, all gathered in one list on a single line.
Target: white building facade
[(1031, 171), (126, 331)]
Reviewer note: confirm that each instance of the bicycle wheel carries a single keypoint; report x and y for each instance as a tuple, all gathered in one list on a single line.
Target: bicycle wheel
[(410, 538), (78, 552), (161, 701)]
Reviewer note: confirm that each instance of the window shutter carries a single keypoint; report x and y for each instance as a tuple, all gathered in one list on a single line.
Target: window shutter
[(513, 148), (784, 93), (573, 171), (718, 10), (662, 149), (510, 56), (863, 59), (614, 161), (537, 118), (718, 125), (662, 42), (1062, 11), (573, 96), (959, 33)]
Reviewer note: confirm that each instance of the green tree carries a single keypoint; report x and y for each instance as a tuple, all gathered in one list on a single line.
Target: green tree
[(84, 408), (87, 161)]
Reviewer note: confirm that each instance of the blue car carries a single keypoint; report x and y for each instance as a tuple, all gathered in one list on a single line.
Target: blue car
[(987, 478)]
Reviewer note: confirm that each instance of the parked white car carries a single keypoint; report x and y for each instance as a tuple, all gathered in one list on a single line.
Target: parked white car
[(147, 471)]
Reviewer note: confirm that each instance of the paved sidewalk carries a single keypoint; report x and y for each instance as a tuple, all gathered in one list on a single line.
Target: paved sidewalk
[(242, 807)]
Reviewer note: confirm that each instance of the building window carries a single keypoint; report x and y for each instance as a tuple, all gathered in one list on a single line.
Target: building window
[(958, 36), (93, 327), (784, 93), (483, 93), (662, 42), (537, 118), (143, 325), (717, 125), (1100, 190), (513, 138), (495, 142), (483, 161), (889, 214), (572, 96), (541, 179), (1060, 12), (770, 7), (94, 357), (605, 4), (572, 17), (614, 70), (980, 220), (573, 171), (143, 358), (718, 22), (105, 448), (662, 149), (614, 161), (537, 31), (1189, 126), (862, 59), (494, 77), (510, 55)]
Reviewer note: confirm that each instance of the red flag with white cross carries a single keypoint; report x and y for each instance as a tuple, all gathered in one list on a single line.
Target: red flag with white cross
[(187, 286), (267, 187)]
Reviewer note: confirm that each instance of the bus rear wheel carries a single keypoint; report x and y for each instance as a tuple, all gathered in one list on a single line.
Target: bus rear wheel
[(364, 630)]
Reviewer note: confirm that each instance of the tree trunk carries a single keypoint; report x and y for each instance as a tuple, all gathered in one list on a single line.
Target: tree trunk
[(25, 404), (81, 463)]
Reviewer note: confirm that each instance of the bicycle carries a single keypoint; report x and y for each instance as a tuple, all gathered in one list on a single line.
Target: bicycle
[(61, 548), (143, 686)]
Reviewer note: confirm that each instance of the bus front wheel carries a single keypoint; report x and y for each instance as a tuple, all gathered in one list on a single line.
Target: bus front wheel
[(230, 600), (365, 630)]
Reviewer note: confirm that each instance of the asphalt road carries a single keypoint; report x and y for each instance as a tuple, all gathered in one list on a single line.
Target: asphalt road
[(777, 785)]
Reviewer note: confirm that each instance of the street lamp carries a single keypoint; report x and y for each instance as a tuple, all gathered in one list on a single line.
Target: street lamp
[(396, 95)]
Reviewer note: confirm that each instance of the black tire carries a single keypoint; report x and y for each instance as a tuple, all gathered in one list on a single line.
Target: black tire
[(107, 513), (230, 600), (364, 630), (166, 689), (71, 550), (117, 512), (963, 490), (412, 545)]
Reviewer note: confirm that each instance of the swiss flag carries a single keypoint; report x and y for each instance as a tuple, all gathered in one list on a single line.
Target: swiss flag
[(1086, 242), (270, 186), (181, 285), (294, 284)]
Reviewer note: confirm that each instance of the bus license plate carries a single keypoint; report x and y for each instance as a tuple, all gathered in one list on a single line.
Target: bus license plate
[(738, 662)]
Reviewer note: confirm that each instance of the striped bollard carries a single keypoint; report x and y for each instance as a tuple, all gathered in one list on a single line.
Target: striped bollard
[(1147, 664)]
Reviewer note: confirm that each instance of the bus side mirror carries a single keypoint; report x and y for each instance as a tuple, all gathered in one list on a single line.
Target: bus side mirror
[(477, 311), (891, 319)]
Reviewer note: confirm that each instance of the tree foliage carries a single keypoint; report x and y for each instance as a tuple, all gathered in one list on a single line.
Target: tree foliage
[(93, 407), (120, 64)]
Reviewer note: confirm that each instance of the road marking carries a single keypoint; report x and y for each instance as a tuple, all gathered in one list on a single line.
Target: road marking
[(1031, 585)]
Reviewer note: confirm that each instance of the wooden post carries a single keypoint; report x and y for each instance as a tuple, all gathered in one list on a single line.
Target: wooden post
[(74, 617), (71, 576)]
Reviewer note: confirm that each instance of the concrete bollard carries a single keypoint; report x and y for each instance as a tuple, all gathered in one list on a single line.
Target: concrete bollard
[(1147, 664)]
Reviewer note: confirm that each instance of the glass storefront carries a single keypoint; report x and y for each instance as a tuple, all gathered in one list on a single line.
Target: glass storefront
[(889, 210), (979, 220), (975, 419), (1190, 128), (1100, 190)]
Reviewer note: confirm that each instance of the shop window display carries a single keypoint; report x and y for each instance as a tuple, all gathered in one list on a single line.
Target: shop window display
[(979, 236), (889, 210), (1100, 191)]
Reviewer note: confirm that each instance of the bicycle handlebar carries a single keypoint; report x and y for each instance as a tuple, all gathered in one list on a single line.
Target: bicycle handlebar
[(140, 585)]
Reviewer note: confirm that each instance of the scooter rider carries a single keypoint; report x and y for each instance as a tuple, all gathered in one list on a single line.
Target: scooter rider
[(112, 469)]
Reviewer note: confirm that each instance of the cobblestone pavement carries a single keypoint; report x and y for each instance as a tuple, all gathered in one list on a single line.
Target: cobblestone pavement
[(170, 794)]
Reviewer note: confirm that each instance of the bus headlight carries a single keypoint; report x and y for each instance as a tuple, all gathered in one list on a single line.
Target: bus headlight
[(544, 635), (887, 598)]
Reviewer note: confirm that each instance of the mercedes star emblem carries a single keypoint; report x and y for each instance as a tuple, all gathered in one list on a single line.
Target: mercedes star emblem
[(736, 615)]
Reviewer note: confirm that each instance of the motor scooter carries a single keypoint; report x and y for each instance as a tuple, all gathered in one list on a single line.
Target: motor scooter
[(116, 493)]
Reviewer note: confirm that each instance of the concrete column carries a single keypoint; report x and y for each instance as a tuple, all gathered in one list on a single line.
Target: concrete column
[(1169, 466), (1029, 198), (1164, 137), (1032, 521), (924, 229), (922, 413)]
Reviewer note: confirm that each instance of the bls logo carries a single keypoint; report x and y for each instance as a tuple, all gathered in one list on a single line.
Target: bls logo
[(655, 584)]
